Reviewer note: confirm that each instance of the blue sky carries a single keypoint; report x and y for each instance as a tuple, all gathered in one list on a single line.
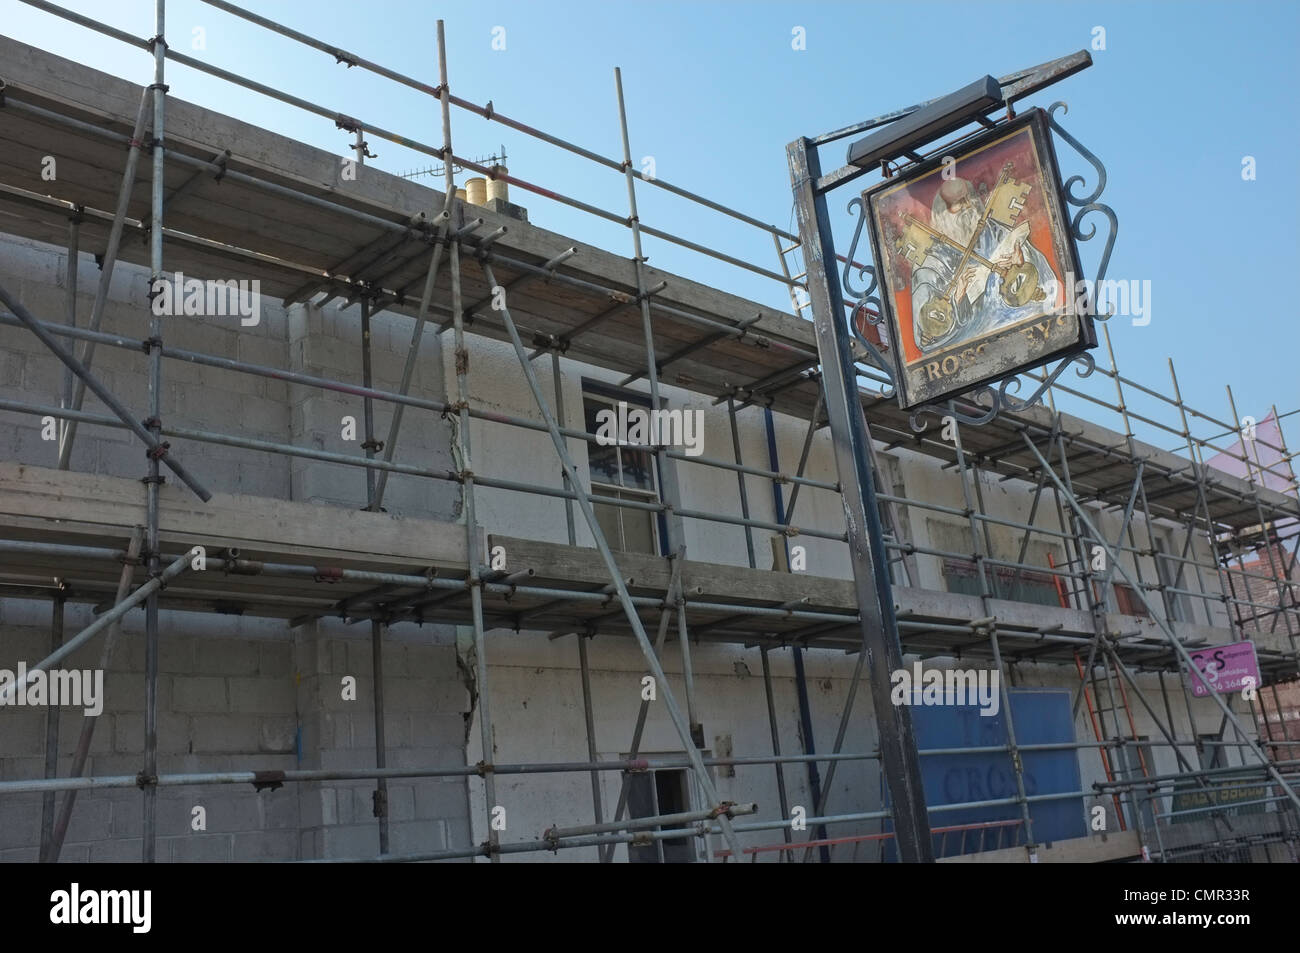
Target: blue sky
[(1181, 94)]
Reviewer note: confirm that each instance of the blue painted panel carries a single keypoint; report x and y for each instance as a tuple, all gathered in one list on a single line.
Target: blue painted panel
[(1042, 716)]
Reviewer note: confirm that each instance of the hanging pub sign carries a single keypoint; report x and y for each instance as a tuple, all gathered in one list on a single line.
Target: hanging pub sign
[(979, 274)]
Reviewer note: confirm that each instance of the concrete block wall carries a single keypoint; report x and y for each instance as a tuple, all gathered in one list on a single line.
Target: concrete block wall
[(537, 713), (496, 384), (192, 396), (324, 342), (238, 695), (535, 685), (426, 703), (234, 693)]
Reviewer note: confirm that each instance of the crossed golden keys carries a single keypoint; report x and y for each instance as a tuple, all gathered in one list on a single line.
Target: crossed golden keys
[(1020, 279)]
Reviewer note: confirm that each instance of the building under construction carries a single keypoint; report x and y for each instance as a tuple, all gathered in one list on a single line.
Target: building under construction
[(364, 581)]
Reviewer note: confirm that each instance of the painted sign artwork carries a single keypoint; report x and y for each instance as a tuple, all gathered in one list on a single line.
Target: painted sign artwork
[(977, 267), (1225, 668)]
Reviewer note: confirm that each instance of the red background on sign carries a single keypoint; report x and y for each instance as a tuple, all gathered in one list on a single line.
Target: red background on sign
[(916, 198)]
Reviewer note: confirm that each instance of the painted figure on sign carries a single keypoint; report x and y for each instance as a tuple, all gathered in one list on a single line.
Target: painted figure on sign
[(975, 254), (975, 268)]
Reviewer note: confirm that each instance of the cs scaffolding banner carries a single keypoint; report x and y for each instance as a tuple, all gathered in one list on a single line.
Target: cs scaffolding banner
[(1224, 668)]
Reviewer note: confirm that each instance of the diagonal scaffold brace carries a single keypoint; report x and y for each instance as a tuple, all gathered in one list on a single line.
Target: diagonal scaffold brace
[(1082, 515), (157, 448), (89, 722), (624, 597), (106, 621)]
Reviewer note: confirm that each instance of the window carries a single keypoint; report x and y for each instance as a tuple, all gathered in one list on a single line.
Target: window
[(1039, 588), (1128, 600), (959, 575), (1024, 585), (654, 794), (621, 473)]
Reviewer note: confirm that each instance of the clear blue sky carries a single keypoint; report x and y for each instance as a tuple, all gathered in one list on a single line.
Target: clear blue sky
[(1182, 92)]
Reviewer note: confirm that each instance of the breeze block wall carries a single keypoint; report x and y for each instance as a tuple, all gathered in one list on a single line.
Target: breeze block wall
[(235, 693)]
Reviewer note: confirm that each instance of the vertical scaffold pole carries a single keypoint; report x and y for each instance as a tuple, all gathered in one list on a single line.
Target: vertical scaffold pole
[(584, 664), (52, 734), (380, 794), (461, 450), (70, 312), (149, 777), (89, 722), (381, 746), (473, 556), (785, 514), (367, 402), (740, 480), (900, 760)]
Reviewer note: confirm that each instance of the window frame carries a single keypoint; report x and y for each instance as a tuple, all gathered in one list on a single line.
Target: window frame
[(1011, 579), (687, 789), (610, 395)]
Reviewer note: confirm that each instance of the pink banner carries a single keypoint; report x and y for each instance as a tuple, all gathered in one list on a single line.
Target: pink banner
[(1257, 456), (1224, 668)]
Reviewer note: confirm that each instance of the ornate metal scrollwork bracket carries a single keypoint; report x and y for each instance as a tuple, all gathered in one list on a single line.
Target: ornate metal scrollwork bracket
[(865, 298), (918, 424), (1013, 383), (1087, 204)]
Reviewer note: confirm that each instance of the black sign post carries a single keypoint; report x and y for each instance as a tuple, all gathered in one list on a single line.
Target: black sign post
[(851, 436), (898, 753)]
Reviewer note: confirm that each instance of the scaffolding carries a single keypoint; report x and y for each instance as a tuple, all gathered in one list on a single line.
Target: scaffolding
[(438, 261)]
